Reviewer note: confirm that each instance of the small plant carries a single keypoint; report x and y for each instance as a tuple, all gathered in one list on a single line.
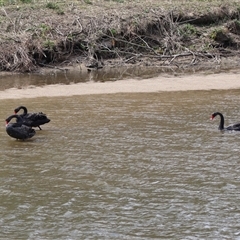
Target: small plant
[(53, 6), (49, 44), (88, 2), (60, 12), (221, 36), (188, 29), (113, 32), (237, 22), (215, 33), (207, 47), (44, 29)]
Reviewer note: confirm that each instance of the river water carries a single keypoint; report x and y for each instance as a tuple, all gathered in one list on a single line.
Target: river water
[(123, 166)]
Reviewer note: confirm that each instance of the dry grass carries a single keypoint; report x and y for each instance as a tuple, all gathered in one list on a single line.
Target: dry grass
[(95, 32)]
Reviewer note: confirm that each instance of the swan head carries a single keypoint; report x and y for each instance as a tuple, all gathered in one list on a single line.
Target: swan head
[(216, 114), (213, 116)]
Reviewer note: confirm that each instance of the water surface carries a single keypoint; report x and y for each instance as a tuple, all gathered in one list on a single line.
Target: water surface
[(123, 166)]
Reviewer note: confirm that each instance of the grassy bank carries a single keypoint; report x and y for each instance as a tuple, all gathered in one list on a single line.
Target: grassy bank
[(100, 33)]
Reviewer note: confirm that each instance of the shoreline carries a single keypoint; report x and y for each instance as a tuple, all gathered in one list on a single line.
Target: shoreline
[(220, 81)]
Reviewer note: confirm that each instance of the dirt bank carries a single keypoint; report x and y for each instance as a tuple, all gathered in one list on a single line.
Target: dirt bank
[(158, 84), (182, 34)]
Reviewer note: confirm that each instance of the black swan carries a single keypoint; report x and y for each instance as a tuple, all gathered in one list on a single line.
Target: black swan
[(32, 119), (233, 127), (18, 130)]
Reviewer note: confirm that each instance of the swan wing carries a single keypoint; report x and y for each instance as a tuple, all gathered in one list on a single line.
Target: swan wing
[(234, 127), (22, 132)]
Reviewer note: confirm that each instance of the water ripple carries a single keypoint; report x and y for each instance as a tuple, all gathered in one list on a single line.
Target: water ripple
[(123, 166)]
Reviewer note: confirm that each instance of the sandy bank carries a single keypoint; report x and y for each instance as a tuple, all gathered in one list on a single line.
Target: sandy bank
[(157, 84)]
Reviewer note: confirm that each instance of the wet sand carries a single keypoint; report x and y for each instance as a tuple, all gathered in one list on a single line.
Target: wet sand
[(157, 84)]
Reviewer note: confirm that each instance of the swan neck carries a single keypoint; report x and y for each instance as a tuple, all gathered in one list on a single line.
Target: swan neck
[(19, 120), (221, 125), (24, 109)]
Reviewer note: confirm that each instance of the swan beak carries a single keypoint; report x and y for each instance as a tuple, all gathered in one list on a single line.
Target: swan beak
[(211, 118)]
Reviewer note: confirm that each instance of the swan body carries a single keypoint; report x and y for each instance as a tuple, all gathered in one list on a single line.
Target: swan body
[(32, 119), (233, 127), (18, 130)]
